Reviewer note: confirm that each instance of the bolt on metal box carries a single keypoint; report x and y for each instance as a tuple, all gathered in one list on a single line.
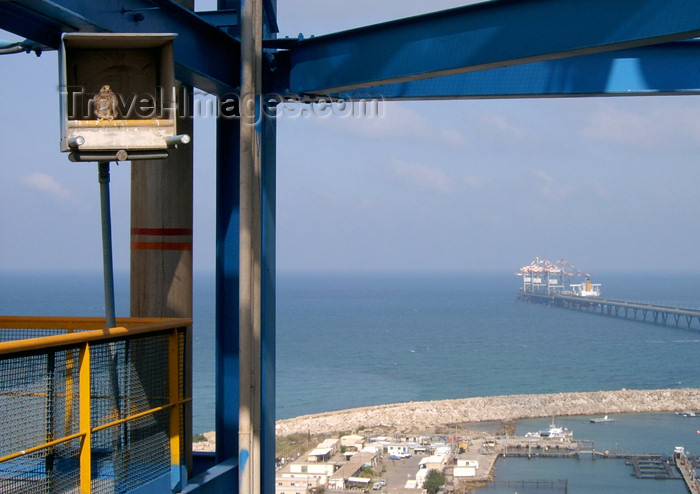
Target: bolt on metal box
[(117, 92)]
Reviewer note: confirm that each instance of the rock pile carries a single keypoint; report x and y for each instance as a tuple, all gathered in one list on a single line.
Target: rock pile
[(427, 416)]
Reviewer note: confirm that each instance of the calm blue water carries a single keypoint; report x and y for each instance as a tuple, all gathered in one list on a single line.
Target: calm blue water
[(348, 340), (366, 340)]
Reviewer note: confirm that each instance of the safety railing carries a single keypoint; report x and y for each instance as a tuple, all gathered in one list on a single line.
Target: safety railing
[(86, 410)]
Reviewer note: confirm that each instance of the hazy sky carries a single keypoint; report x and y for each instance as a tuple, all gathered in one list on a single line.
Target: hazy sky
[(608, 183)]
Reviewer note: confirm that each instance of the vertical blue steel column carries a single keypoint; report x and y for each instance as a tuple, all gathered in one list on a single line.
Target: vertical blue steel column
[(227, 277), (227, 286), (227, 274), (269, 271), (227, 357), (268, 353)]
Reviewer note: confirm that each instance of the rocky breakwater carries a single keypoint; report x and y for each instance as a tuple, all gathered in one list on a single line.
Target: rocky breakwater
[(426, 416)]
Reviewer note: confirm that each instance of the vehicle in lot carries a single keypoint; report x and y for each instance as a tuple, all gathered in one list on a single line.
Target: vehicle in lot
[(399, 456), (377, 486)]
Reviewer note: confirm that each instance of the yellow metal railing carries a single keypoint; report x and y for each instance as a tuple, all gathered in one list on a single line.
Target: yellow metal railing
[(91, 410)]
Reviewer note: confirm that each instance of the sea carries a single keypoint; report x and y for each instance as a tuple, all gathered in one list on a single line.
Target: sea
[(346, 340)]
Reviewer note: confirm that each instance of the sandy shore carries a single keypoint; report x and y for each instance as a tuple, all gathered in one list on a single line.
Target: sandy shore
[(428, 416)]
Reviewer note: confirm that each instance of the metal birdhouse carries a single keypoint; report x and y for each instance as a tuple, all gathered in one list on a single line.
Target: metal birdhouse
[(117, 96)]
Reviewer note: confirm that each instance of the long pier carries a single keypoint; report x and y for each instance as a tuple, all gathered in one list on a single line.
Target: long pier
[(688, 466), (633, 311)]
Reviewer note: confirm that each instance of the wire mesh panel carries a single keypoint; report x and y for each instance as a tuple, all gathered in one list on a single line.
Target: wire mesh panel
[(129, 377), (50, 470), (182, 371), (38, 404), (130, 414), (13, 334), (130, 454)]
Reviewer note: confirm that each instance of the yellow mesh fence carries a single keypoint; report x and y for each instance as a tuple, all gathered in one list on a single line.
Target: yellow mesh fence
[(44, 434)]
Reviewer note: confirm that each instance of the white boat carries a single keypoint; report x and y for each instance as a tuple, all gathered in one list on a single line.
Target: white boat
[(553, 432), (602, 420)]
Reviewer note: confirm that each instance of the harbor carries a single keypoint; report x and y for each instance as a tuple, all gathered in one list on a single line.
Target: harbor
[(557, 451), (469, 459)]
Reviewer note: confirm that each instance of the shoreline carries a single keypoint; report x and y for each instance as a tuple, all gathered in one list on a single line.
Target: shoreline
[(413, 417), (429, 416)]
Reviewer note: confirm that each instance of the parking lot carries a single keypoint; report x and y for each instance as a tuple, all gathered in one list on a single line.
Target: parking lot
[(397, 473), (400, 471)]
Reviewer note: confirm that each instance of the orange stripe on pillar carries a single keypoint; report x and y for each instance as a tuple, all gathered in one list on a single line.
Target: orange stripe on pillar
[(159, 239)]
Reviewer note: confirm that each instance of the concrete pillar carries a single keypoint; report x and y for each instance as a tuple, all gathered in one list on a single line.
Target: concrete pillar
[(161, 240), (161, 232), (161, 245)]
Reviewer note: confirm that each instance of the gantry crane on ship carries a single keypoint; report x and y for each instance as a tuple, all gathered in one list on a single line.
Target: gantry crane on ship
[(549, 277)]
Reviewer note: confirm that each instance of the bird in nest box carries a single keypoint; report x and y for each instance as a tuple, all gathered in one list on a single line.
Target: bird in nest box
[(105, 103)]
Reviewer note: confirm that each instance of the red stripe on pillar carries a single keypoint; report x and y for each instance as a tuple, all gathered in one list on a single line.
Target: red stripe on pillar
[(161, 231), (161, 245)]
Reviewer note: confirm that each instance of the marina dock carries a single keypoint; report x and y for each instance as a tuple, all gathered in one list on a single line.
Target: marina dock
[(652, 467), (644, 466), (688, 468)]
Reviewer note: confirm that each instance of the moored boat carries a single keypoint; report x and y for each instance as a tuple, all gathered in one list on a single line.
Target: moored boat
[(553, 432)]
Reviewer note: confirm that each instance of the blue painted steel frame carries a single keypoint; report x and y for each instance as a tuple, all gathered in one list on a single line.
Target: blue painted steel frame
[(651, 70), (268, 321), (205, 56), (227, 273), (483, 36), (227, 280), (227, 287)]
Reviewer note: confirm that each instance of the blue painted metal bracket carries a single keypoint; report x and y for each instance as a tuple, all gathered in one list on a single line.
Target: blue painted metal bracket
[(205, 56), (668, 69), (219, 479), (483, 36), (227, 18)]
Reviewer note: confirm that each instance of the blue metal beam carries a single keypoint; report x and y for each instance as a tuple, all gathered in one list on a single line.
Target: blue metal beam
[(222, 16), (205, 56), (668, 69), (483, 36), (227, 287), (224, 19), (269, 297)]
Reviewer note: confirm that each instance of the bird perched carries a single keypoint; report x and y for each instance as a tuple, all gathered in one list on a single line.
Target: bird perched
[(105, 102)]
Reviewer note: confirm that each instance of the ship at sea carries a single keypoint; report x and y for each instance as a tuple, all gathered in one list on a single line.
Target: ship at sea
[(545, 277)]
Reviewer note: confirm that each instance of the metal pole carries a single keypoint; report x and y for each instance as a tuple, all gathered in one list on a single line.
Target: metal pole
[(110, 317), (250, 298), (103, 174)]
